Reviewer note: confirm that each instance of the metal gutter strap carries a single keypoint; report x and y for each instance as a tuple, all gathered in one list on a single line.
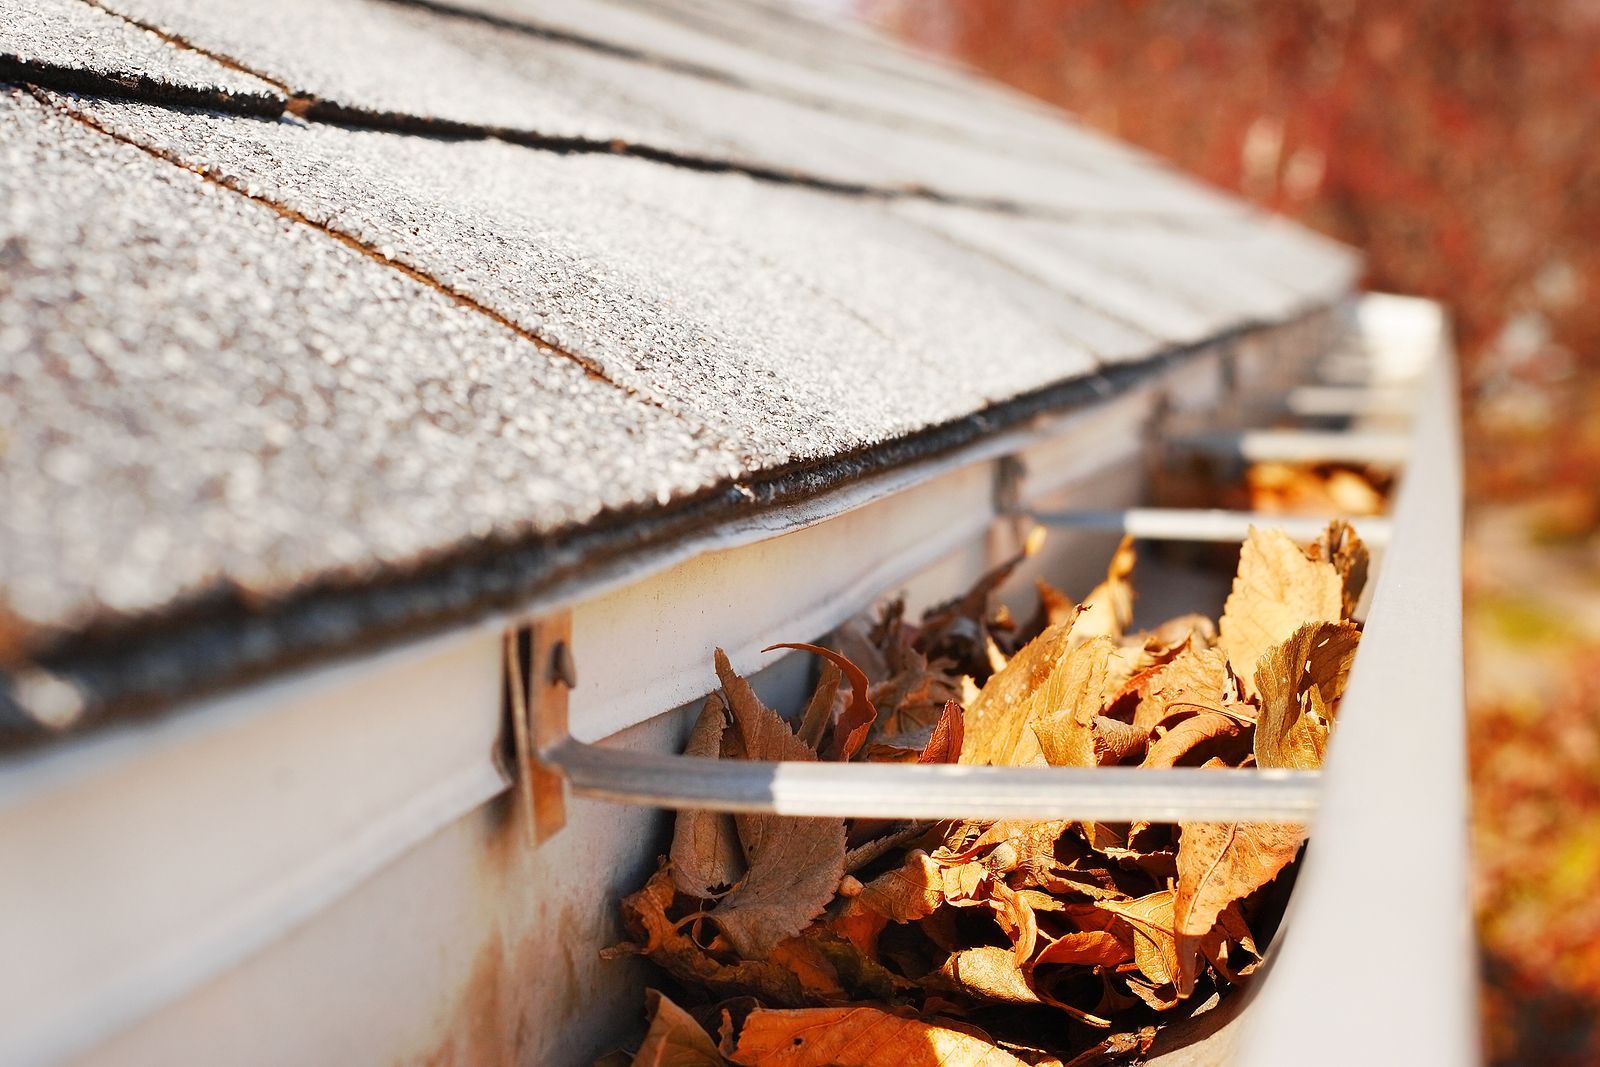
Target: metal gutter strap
[(1185, 524), (936, 791)]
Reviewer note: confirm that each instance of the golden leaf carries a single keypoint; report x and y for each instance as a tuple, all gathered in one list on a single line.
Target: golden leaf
[(1300, 683), (853, 1037), (1220, 863), (988, 973), (1196, 675), (1149, 921), (793, 864), (998, 718), (1108, 609), (674, 1038), (1061, 712), (1277, 590), (1188, 733)]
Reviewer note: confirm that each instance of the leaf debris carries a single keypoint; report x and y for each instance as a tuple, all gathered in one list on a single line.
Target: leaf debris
[(1035, 943)]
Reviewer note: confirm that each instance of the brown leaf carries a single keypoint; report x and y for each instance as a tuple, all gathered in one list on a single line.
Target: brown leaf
[(656, 934), (988, 973), (1340, 546), (1277, 590), (1218, 864), (1196, 675), (674, 1038), (1108, 609), (705, 844), (819, 711), (916, 888), (850, 732), (854, 1036), (1090, 948), (998, 718), (802, 957), (1062, 711), (1023, 846), (948, 733), (1189, 733), (1055, 607), (1300, 683), (1149, 923), (1113, 741), (1116, 1048), (1230, 932), (794, 864)]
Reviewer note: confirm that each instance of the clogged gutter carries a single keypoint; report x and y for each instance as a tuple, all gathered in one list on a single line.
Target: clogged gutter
[(822, 941)]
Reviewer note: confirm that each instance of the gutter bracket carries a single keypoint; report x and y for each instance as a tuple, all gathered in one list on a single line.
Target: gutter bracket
[(539, 677)]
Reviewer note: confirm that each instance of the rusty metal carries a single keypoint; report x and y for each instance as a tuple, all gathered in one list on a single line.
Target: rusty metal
[(538, 682)]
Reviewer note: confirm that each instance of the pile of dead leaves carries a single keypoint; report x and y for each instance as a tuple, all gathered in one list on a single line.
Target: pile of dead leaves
[(823, 941), (1321, 488), (1275, 488)]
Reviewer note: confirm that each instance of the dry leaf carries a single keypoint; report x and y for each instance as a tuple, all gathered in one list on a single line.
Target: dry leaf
[(674, 1038), (850, 732), (1115, 1048), (1061, 712), (1196, 675), (1340, 546), (988, 973), (1149, 921), (657, 935), (1055, 607), (1090, 948), (1277, 590), (853, 1037), (1188, 733), (916, 888), (948, 733), (1114, 741), (793, 864), (997, 719), (1108, 609), (705, 844), (819, 711), (1220, 863), (1300, 683)]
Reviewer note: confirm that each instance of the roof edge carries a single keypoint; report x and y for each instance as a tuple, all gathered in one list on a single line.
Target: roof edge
[(222, 640)]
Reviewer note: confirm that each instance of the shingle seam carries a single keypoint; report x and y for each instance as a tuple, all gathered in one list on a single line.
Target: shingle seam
[(314, 108), (589, 367), (22, 70), (705, 72), (221, 639), (219, 58)]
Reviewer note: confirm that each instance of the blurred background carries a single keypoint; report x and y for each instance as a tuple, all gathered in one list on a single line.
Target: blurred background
[(1457, 143)]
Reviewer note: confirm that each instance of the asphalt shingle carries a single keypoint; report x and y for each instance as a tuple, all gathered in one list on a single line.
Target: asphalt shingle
[(393, 334), (77, 45), (383, 62), (202, 399)]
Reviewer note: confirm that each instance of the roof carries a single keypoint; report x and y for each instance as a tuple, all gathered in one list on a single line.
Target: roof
[(324, 322)]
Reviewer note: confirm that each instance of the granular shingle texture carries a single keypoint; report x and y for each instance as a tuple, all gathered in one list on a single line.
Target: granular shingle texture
[(394, 336), (201, 398), (394, 62), (78, 45)]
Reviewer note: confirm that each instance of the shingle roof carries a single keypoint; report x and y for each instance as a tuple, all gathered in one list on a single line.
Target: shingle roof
[(325, 322)]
